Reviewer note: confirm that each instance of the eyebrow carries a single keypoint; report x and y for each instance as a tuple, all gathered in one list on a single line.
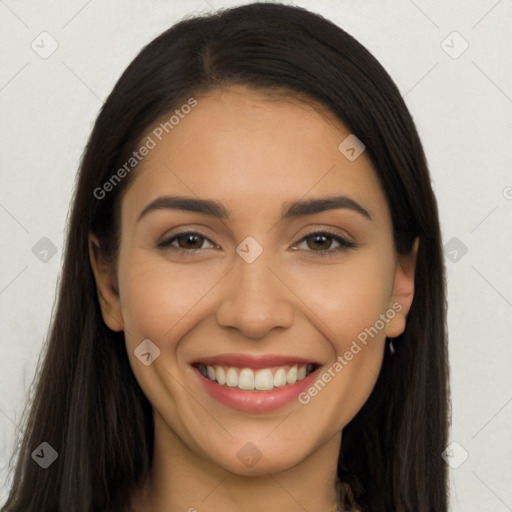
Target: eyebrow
[(290, 210)]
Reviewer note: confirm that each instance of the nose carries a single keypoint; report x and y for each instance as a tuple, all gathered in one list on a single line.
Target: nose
[(256, 298)]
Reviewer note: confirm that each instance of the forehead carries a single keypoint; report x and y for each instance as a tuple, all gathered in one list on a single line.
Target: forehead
[(253, 152)]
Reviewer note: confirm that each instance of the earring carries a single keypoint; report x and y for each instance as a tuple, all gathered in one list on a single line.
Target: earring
[(391, 347)]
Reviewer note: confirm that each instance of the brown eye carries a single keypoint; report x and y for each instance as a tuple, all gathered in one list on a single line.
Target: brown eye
[(321, 243), (189, 241)]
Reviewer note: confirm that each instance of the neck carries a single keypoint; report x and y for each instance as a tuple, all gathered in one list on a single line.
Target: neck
[(183, 480)]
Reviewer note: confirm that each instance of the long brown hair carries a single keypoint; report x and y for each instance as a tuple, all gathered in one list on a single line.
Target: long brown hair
[(88, 405)]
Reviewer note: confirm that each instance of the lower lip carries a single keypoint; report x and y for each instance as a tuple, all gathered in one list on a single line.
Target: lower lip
[(256, 401)]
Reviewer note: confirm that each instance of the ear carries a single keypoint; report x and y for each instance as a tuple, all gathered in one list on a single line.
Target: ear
[(106, 286), (403, 291)]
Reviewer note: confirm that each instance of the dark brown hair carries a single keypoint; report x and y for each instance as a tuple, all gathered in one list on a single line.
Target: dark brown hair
[(87, 403)]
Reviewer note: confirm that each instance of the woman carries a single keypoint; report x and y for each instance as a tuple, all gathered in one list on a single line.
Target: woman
[(252, 307)]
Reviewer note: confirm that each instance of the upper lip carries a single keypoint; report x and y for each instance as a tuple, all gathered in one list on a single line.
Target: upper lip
[(253, 361)]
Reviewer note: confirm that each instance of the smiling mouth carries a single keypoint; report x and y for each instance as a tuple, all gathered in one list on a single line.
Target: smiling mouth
[(262, 379)]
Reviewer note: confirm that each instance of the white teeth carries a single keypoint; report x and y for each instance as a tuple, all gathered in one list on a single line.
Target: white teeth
[(231, 378), (291, 376), (280, 378), (210, 371), (263, 380), (220, 376), (248, 379)]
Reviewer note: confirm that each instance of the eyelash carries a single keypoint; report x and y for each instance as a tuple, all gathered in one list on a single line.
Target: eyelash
[(344, 244)]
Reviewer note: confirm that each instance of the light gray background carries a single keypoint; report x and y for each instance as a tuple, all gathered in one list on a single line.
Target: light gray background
[(462, 107)]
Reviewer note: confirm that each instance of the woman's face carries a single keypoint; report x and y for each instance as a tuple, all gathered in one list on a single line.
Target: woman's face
[(258, 289)]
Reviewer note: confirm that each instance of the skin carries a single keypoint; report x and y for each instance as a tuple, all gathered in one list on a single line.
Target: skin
[(253, 153)]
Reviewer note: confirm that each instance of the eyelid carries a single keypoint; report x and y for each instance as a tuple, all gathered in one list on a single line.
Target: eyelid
[(166, 240), (344, 243), (328, 231), (187, 229)]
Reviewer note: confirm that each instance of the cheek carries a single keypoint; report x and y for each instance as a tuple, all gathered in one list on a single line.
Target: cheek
[(159, 296), (348, 297), (346, 304)]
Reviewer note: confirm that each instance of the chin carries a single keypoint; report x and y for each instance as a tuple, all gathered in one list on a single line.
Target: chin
[(257, 459)]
